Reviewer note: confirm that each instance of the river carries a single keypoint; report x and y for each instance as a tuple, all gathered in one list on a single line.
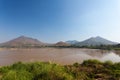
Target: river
[(56, 55)]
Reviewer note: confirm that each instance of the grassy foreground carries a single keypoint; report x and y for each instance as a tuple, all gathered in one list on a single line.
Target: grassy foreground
[(88, 70)]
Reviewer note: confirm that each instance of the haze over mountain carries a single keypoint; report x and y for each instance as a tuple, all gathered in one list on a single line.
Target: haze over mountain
[(72, 41), (96, 41), (23, 41)]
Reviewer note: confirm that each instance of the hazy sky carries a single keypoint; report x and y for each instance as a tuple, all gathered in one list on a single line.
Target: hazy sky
[(60, 20)]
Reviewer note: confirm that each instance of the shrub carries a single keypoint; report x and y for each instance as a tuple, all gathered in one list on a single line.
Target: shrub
[(91, 62), (17, 75), (35, 71), (88, 70)]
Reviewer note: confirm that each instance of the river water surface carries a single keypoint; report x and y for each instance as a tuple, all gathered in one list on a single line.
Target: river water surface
[(56, 55)]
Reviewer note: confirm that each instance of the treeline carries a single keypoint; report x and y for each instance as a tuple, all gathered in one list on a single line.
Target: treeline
[(104, 47), (88, 70)]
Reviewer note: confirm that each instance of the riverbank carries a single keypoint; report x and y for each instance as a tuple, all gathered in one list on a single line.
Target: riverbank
[(88, 70)]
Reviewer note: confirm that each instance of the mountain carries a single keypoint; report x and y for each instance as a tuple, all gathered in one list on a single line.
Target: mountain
[(61, 44), (72, 42), (96, 41), (23, 41)]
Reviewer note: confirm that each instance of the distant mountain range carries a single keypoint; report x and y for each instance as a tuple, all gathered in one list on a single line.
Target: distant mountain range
[(95, 41), (24, 41), (72, 42)]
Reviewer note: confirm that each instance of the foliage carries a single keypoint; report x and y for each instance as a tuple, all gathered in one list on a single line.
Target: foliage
[(34, 71), (88, 70)]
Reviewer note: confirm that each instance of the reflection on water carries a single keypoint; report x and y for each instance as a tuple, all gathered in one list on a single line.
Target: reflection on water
[(61, 56), (111, 56)]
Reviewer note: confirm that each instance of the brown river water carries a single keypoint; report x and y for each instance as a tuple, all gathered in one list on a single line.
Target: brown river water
[(56, 55)]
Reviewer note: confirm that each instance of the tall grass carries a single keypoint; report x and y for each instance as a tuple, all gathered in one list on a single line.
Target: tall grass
[(88, 70)]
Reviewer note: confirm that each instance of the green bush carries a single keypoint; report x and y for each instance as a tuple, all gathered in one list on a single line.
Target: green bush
[(17, 75), (88, 70), (35, 71), (91, 62)]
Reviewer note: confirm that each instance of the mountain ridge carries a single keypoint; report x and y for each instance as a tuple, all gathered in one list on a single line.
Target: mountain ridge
[(61, 43), (23, 41), (72, 41), (96, 41), (28, 41)]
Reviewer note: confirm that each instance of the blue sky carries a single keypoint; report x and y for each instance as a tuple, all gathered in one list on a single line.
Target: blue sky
[(60, 20)]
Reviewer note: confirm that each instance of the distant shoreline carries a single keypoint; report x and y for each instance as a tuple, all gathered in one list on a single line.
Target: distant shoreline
[(77, 47)]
